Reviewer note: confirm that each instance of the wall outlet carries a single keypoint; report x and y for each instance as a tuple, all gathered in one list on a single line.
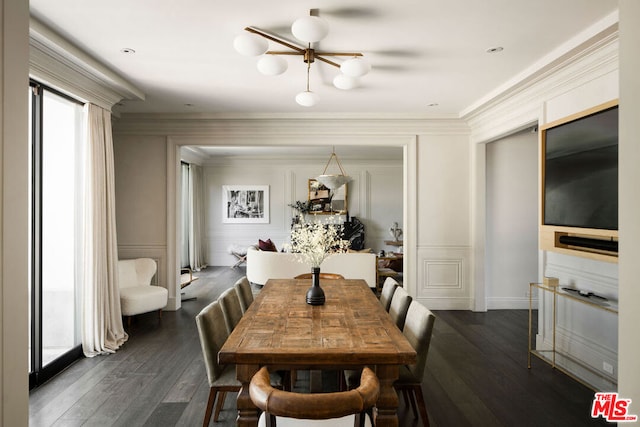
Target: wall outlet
[(607, 367)]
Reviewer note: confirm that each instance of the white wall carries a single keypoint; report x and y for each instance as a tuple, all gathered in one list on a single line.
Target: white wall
[(629, 351), (141, 201), (374, 197), (512, 220), (14, 178), (444, 220)]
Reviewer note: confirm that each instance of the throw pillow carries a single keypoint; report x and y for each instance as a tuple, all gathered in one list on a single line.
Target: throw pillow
[(267, 245)]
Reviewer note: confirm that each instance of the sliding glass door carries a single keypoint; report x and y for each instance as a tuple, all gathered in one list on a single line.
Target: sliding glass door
[(56, 218)]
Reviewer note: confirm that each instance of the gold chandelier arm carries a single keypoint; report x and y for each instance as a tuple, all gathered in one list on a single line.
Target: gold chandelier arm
[(270, 37), (325, 60), (339, 53), (283, 52)]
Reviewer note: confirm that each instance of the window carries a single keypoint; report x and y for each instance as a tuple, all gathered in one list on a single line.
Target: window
[(56, 217)]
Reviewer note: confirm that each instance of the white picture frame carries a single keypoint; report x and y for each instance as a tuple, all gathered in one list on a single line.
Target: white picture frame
[(242, 204)]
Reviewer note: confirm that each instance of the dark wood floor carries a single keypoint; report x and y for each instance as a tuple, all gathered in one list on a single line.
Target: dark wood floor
[(476, 376)]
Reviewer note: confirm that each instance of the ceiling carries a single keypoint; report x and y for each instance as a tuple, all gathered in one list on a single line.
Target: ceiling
[(428, 57)]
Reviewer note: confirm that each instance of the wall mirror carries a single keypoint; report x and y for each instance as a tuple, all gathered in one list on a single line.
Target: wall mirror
[(325, 201)]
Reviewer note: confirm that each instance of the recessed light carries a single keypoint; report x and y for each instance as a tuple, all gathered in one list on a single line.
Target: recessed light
[(495, 49), (189, 105), (433, 104), (127, 50)]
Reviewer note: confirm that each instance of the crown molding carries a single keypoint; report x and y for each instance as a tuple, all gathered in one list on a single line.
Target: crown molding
[(58, 63), (283, 126)]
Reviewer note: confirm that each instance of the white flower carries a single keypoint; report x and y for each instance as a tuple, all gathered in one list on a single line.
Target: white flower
[(314, 241)]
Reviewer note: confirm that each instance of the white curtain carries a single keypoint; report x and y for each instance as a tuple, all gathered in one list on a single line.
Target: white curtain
[(197, 252), (185, 210), (102, 329)]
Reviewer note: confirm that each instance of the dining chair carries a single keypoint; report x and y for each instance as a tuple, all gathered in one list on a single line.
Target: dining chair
[(230, 303), (399, 306), (213, 333), (245, 294), (388, 289), (328, 276), (417, 329), (337, 409)]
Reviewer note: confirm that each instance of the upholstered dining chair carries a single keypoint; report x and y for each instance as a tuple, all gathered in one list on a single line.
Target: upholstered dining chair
[(399, 306), (388, 289), (338, 409), (222, 379), (245, 294), (417, 329), (230, 303), (327, 276)]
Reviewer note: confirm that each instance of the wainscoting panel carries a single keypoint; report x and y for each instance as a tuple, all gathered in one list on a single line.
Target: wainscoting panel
[(443, 278)]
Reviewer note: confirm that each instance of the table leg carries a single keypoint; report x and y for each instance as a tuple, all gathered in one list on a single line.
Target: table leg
[(247, 411), (386, 413)]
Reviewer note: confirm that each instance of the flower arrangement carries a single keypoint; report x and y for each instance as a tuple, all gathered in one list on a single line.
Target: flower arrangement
[(315, 241), (302, 207)]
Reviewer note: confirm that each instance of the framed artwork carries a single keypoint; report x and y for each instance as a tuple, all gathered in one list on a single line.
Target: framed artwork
[(245, 204), (327, 201)]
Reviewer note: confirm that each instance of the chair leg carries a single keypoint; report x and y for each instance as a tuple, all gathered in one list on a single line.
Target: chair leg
[(219, 405), (212, 398), (129, 322), (417, 390), (411, 400), (160, 314)]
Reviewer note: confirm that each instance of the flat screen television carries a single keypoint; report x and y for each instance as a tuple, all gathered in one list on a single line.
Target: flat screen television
[(580, 170)]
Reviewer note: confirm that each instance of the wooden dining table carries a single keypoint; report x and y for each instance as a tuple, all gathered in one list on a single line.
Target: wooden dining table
[(349, 331)]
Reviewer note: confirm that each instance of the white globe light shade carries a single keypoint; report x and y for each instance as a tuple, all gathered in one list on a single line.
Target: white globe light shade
[(333, 182), (250, 44), (272, 65), (307, 98), (310, 29), (344, 82), (356, 67)]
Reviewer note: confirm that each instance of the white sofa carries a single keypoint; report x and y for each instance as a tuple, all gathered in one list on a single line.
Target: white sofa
[(265, 265)]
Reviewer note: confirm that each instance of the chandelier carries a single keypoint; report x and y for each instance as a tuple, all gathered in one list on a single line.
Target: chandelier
[(333, 181), (309, 29)]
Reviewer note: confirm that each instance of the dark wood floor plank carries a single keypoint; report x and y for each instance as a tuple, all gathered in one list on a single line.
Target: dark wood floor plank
[(186, 386), (166, 414), (42, 396), (60, 403), (193, 414)]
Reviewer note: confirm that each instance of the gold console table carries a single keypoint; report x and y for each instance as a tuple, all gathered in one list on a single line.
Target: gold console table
[(557, 291)]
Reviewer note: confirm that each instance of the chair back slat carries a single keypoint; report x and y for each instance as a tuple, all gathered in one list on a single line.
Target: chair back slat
[(399, 306), (230, 303), (418, 328), (245, 294), (213, 334), (313, 406), (388, 289)]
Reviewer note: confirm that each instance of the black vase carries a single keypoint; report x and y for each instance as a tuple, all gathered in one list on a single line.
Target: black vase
[(315, 294)]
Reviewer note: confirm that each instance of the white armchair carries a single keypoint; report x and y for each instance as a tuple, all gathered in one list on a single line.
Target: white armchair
[(137, 295)]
